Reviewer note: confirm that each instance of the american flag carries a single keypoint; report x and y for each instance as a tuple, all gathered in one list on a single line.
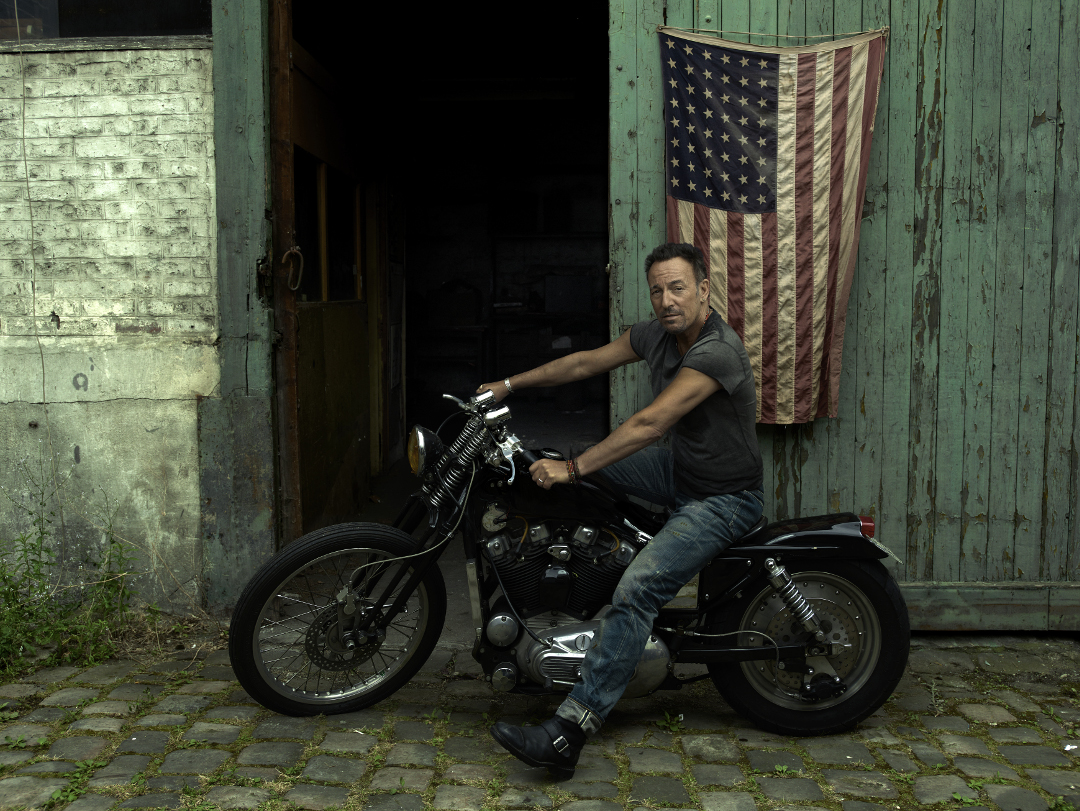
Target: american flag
[(767, 152)]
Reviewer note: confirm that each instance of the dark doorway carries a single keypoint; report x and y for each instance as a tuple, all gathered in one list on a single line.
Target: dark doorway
[(484, 145)]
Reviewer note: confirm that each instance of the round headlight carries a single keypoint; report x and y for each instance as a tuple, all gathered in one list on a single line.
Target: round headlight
[(416, 450), (424, 448)]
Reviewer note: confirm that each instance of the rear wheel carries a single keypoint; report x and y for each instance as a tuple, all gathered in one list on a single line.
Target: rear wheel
[(286, 641), (859, 606)]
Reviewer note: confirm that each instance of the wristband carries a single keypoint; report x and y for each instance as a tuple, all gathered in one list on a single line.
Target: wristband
[(571, 470), (506, 383)]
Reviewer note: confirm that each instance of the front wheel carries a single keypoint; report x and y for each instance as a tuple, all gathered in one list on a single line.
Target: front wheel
[(286, 639), (859, 606)]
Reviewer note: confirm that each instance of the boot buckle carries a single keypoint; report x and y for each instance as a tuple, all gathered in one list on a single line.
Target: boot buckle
[(561, 744)]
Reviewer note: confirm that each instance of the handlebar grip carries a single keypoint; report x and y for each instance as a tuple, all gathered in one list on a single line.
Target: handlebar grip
[(527, 457)]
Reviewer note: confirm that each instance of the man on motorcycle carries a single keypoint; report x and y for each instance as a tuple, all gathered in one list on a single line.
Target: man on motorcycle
[(711, 479)]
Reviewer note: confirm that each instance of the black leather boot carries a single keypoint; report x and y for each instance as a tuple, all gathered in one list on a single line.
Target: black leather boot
[(556, 744)]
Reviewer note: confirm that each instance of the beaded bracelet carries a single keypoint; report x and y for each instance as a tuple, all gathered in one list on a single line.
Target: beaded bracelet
[(571, 469)]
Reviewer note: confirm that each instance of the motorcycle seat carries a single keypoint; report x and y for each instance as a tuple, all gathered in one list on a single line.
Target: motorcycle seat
[(603, 483), (753, 533)]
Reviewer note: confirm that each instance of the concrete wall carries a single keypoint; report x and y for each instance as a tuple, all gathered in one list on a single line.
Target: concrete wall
[(108, 298)]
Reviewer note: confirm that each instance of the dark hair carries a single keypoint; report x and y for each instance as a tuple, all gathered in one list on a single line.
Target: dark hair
[(678, 250)]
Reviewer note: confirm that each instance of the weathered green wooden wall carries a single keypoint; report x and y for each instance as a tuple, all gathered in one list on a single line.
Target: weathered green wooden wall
[(958, 424), (236, 439)]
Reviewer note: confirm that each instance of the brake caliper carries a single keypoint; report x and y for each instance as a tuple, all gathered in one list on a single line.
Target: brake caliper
[(820, 686)]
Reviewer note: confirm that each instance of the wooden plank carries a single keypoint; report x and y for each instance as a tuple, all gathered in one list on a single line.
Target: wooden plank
[(869, 290), (235, 434), (735, 19), (791, 21), (811, 453), (841, 476), (649, 173), (241, 192), (819, 20), (957, 76), (978, 388), (764, 17), (1065, 430), (926, 310), (903, 79), (1064, 600), (652, 228), (285, 310), (1061, 384), (783, 491), (1035, 315), (707, 16), (623, 203), (765, 434), (826, 438), (1008, 312), (982, 607)]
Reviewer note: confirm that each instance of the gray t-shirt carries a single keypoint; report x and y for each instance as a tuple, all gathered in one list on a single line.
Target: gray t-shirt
[(715, 444)]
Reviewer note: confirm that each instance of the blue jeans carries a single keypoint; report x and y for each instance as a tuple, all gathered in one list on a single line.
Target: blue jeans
[(693, 535)]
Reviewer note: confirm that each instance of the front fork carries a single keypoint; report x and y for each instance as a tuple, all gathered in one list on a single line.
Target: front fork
[(357, 626), (820, 679)]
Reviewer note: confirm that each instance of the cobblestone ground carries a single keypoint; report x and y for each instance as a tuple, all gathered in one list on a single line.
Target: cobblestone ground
[(977, 722)]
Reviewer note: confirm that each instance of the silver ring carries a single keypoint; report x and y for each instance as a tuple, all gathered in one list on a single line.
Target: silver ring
[(541, 481)]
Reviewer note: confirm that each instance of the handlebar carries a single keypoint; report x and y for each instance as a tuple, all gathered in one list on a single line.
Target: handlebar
[(528, 457)]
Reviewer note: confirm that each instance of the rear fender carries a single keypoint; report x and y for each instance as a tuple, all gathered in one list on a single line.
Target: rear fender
[(737, 565), (834, 535), (809, 545)]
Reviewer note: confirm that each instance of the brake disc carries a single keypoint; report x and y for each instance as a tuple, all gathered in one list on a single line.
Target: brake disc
[(839, 629), (324, 647)]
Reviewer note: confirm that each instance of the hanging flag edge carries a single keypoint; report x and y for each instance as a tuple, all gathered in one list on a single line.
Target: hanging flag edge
[(720, 42)]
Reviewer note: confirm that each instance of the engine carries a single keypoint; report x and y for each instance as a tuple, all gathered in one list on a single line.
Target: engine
[(555, 565), (557, 575)]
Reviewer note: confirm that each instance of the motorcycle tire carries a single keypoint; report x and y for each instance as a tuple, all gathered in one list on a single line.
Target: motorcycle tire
[(857, 604), (284, 641)]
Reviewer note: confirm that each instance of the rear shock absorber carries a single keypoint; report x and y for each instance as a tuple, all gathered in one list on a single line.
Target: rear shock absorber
[(792, 597)]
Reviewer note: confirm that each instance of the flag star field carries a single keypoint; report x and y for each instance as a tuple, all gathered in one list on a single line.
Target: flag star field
[(720, 117)]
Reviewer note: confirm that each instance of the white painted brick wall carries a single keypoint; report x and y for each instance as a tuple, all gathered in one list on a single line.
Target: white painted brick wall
[(119, 153)]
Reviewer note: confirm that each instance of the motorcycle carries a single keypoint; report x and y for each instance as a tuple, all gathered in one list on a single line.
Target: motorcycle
[(802, 629)]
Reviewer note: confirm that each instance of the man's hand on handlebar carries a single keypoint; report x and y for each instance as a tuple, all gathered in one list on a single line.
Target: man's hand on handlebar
[(498, 389), (547, 472)]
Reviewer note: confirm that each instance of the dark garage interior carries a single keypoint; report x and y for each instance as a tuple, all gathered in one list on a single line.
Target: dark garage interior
[(491, 137), (446, 182)]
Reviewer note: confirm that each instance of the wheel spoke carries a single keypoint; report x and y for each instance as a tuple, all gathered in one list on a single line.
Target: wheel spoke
[(298, 644)]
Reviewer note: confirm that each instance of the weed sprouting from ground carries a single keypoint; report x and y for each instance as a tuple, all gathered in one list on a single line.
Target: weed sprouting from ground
[(42, 605), (106, 598)]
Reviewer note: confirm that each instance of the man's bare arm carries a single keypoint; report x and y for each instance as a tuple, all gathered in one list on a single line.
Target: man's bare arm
[(689, 388), (577, 366)]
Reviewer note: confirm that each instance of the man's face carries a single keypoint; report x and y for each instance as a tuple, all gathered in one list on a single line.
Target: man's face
[(676, 298)]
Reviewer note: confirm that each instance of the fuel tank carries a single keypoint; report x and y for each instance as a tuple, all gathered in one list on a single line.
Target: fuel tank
[(592, 499)]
